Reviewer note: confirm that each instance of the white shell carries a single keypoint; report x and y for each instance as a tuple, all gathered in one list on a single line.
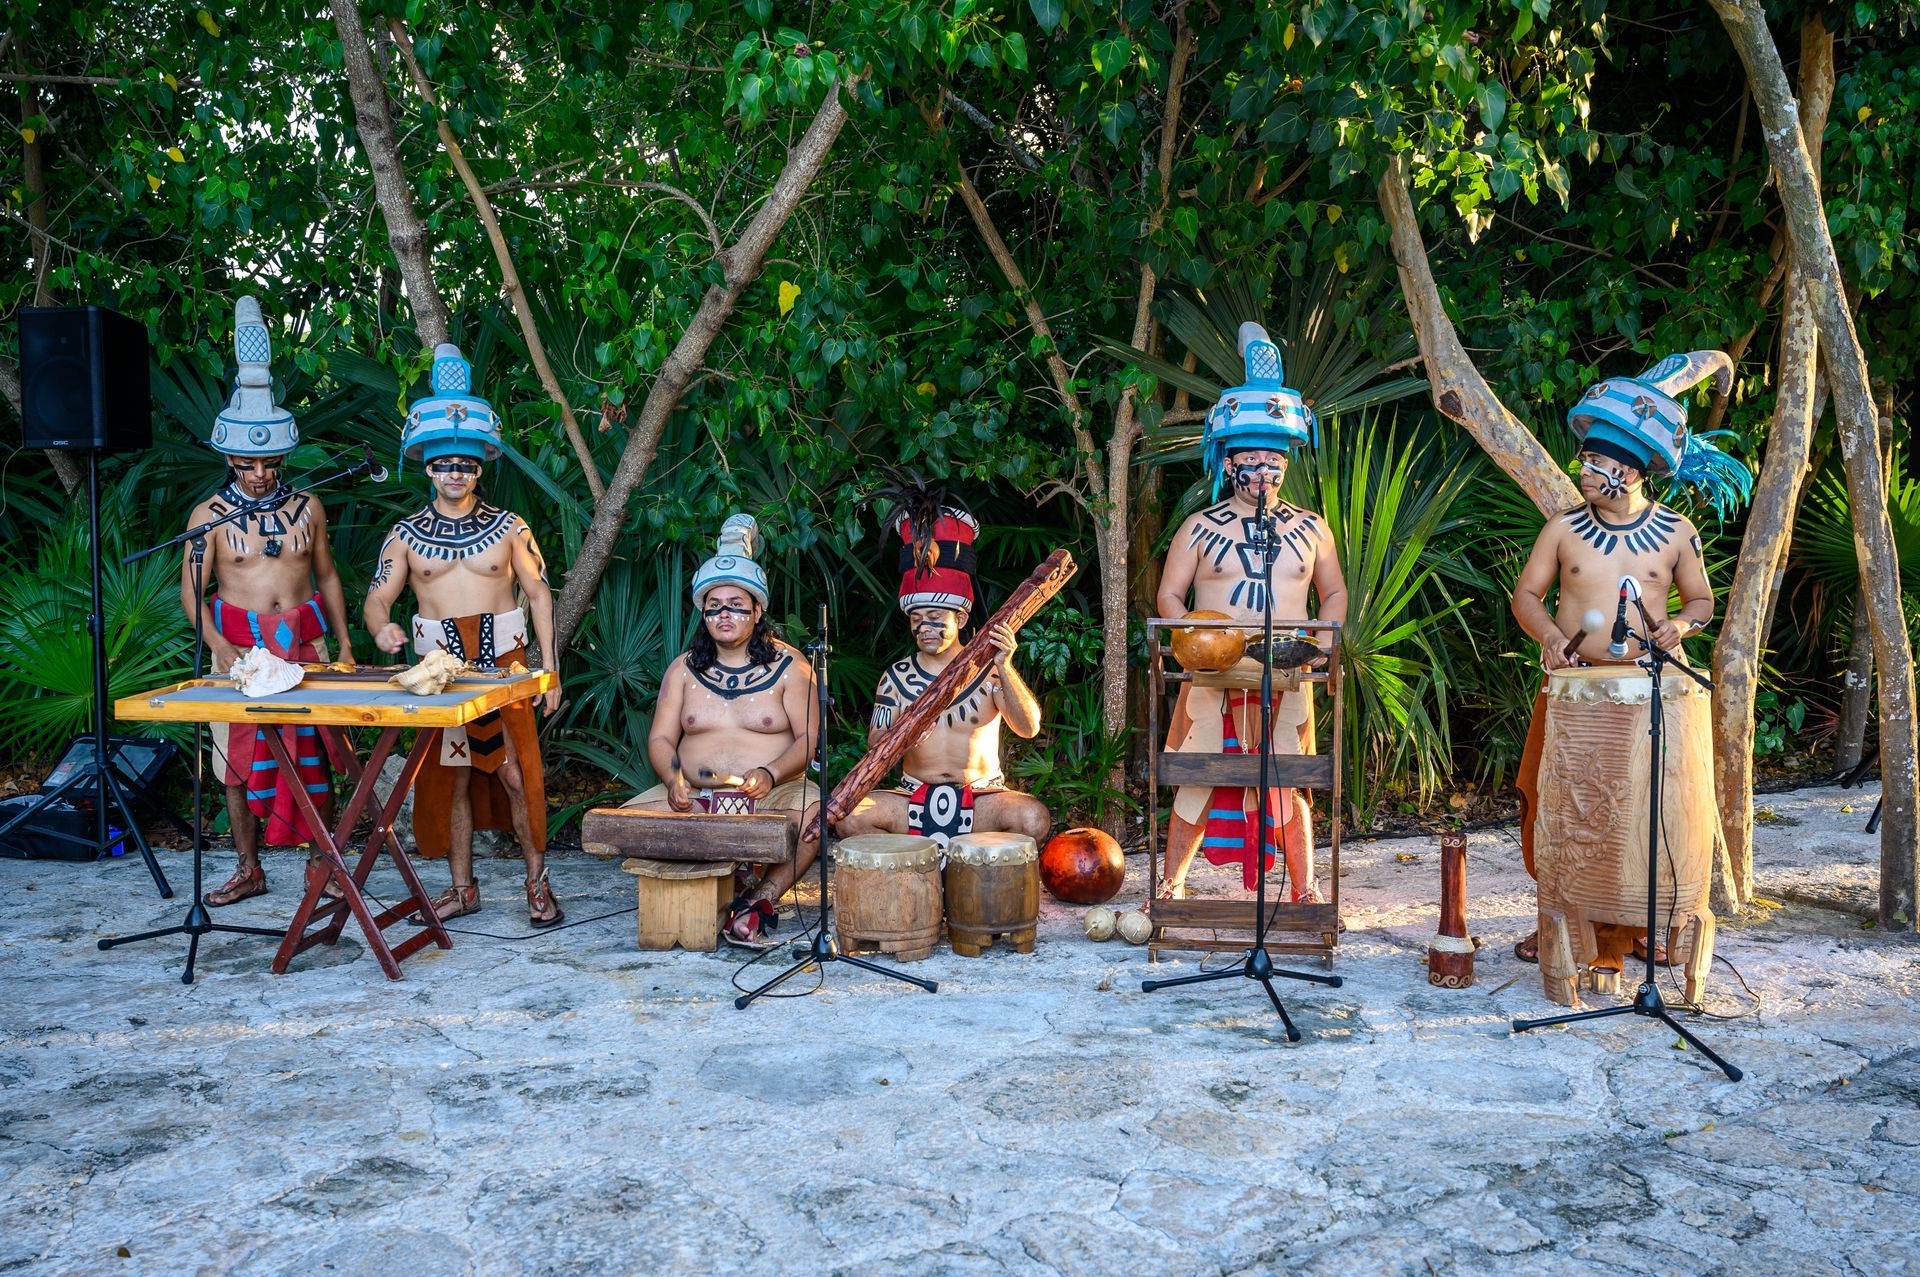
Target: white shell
[(1099, 922), (431, 676), (1135, 927), (261, 673)]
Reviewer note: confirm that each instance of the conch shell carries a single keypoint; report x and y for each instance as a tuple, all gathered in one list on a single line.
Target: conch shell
[(431, 676), (261, 673)]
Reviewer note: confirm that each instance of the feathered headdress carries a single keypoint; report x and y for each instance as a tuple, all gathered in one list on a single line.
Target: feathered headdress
[(1642, 422), (937, 532)]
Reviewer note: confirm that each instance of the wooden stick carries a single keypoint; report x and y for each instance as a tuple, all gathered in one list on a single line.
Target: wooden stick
[(918, 719)]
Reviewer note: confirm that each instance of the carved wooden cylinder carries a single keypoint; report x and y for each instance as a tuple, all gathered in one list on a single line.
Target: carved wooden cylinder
[(1450, 952)]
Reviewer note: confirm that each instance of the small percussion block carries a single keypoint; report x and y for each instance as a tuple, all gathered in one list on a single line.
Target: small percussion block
[(886, 895), (993, 892), (681, 902)]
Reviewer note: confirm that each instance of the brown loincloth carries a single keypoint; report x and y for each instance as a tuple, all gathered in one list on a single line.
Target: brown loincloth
[(481, 754)]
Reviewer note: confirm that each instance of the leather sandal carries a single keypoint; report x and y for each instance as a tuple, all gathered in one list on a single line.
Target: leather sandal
[(540, 900), (244, 885), (457, 901), (750, 924), (1528, 950)]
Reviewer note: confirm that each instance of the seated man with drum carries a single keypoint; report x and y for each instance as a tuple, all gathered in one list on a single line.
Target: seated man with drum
[(951, 782), (736, 721), (1630, 428), (1249, 435)]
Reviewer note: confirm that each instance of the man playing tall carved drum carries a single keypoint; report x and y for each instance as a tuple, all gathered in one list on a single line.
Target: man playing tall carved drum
[(1249, 435), (737, 714), (1630, 427), (278, 589), (951, 781), (464, 559)]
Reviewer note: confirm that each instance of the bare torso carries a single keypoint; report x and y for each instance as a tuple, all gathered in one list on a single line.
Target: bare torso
[(1593, 555), (1227, 568), (238, 565), (458, 567), (964, 745), (733, 720)]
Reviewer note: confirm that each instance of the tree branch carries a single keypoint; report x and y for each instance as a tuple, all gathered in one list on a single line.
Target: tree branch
[(1459, 391), (509, 276), (742, 263), (373, 121)]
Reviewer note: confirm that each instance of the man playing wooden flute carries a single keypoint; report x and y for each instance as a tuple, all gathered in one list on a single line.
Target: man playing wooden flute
[(1250, 433), (1629, 427), (951, 781), (276, 587), (737, 716), (464, 558)]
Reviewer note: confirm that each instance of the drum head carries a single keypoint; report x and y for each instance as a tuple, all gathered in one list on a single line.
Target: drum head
[(887, 851), (993, 849)]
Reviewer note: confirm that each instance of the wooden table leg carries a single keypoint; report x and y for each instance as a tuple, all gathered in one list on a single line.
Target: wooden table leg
[(417, 902)]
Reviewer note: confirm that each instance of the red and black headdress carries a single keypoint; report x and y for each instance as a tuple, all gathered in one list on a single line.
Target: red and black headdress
[(936, 547)]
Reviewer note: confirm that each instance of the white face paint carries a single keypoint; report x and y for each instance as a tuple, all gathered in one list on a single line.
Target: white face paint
[(1603, 479)]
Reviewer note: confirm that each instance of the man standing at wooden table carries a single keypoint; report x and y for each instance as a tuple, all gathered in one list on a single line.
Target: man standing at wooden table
[(737, 715), (1250, 435), (276, 587), (464, 558)]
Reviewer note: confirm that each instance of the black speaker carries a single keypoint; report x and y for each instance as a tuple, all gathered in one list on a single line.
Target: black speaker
[(83, 379)]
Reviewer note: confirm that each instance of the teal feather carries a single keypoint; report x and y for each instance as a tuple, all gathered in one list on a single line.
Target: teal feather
[(1723, 481)]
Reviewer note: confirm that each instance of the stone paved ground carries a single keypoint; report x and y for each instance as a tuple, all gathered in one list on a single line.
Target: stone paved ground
[(566, 1104)]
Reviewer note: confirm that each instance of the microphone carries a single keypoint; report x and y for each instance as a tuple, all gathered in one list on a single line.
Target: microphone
[(1618, 647), (375, 471)]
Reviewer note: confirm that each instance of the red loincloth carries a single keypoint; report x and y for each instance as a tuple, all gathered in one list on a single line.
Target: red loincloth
[(288, 635), (1228, 837), (486, 749)]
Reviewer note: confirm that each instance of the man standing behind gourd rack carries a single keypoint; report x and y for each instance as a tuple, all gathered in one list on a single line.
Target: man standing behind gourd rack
[(463, 558)]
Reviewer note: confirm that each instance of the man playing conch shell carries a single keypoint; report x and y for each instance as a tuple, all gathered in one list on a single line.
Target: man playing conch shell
[(737, 715), (951, 781), (276, 588), (1249, 436), (464, 559), (1629, 428)]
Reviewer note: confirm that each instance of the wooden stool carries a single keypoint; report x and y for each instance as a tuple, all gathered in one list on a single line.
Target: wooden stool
[(681, 902)]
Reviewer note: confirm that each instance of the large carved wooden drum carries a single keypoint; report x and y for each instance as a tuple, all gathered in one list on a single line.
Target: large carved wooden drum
[(1590, 833), (993, 891), (886, 895)]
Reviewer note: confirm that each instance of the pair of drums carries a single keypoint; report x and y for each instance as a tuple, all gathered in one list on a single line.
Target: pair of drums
[(889, 893)]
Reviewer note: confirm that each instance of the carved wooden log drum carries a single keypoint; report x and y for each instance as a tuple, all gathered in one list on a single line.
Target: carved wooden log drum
[(993, 891), (886, 895), (1590, 834)]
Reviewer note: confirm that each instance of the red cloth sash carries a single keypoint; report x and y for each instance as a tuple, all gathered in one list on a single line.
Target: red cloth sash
[(289, 635)]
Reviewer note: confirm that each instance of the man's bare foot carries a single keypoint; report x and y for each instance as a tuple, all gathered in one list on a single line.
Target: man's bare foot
[(752, 923), (1171, 890), (248, 881)]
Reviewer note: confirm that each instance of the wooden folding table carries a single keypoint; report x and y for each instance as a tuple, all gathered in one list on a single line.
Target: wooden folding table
[(332, 702)]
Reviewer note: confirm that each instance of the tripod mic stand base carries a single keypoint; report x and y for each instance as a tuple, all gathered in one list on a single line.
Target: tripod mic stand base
[(822, 951), (198, 923), (1646, 1002), (1257, 966)]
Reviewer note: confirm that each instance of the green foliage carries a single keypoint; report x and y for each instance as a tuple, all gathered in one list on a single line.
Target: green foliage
[(1070, 765)]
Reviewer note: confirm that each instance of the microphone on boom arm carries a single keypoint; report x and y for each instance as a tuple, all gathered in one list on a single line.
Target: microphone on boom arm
[(1617, 649)]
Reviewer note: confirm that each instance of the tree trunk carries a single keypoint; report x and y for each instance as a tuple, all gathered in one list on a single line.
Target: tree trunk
[(1859, 430), (1856, 694), (1459, 391), (509, 276), (742, 263), (1743, 636), (373, 121)]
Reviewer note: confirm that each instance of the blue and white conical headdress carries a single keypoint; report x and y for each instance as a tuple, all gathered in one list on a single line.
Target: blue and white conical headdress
[(1263, 413), (1642, 422), (452, 421), (735, 561), (252, 424)]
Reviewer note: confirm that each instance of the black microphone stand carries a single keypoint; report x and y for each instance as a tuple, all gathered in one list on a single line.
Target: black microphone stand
[(1647, 1001), (199, 921), (1258, 964), (824, 948)]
